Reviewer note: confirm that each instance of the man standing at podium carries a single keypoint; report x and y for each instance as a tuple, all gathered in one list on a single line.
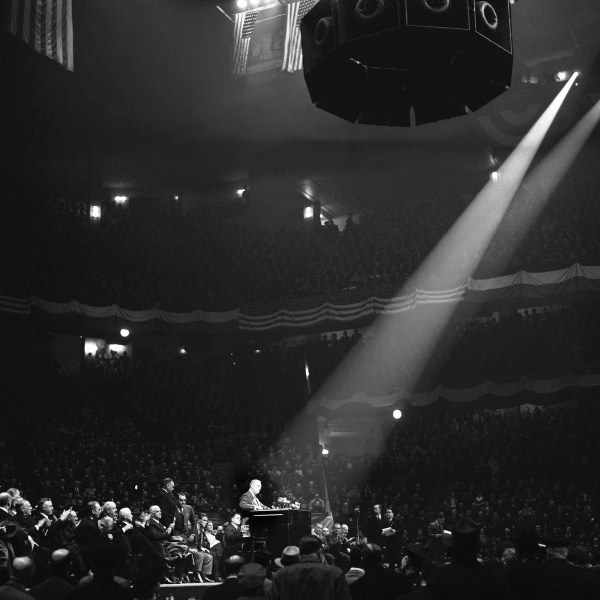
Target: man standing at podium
[(249, 500)]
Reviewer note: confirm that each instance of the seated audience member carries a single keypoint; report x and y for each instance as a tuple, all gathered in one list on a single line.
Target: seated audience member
[(207, 541), (232, 531), (28, 533), (231, 588), (60, 583), (160, 537), (22, 569), (104, 583), (8, 532)]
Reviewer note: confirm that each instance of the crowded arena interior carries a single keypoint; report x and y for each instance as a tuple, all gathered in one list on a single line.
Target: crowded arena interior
[(300, 300)]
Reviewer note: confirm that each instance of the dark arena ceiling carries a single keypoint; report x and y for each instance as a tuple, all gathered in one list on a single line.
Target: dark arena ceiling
[(153, 106)]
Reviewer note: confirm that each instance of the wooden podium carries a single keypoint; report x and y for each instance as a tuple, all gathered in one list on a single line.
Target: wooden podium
[(279, 527)]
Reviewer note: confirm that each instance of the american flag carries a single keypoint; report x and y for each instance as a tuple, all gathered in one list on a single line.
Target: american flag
[(292, 58), (244, 25), (46, 26)]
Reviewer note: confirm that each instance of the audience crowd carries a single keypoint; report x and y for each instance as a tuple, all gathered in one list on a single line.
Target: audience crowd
[(147, 254), (128, 475)]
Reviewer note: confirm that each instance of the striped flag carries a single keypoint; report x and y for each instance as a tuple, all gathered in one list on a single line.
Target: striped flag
[(46, 26), (292, 58), (244, 26)]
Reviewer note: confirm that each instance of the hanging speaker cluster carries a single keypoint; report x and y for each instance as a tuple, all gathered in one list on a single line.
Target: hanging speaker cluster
[(378, 61)]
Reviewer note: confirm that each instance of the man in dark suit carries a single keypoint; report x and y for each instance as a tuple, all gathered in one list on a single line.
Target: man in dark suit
[(232, 532), (435, 539), (8, 532), (20, 579), (391, 536), (207, 540), (167, 502), (160, 536), (59, 585), (45, 510), (28, 528), (185, 520), (231, 588), (374, 526)]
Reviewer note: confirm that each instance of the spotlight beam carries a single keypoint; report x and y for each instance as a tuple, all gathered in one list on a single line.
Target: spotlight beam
[(405, 343), (541, 182)]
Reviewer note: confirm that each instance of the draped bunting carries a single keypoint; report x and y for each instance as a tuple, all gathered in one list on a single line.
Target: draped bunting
[(292, 57), (339, 309), (487, 388), (243, 29)]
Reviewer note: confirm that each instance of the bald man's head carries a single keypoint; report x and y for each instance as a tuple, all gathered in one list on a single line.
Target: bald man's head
[(23, 568)]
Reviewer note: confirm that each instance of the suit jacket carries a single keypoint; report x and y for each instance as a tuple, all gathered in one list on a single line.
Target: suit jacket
[(394, 539), (373, 530), (232, 535), (185, 521), (14, 591), (54, 588), (248, 501), (157, 533), (168, 506), (27, 528)]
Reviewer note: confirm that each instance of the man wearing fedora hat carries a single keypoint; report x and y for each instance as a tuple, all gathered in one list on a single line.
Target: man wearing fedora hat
[(466, 578), (311, 577), (289, 556)]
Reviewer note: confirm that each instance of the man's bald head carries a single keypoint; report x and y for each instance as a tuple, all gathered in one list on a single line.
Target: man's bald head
[(23, 568)]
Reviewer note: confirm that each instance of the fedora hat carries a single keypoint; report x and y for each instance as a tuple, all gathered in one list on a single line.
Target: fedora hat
[(289, 556)]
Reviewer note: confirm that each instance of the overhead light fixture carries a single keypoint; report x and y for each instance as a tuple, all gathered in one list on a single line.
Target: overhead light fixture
[(95, 211), (242, 4), (121, 199), (124, 332)]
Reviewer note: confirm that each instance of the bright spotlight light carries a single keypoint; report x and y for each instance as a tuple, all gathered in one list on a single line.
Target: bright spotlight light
[(243, 4), (562, 75), (308, 212), (182, 351), (397, 414), (494, 175), (120, 199), (95, 211), (324, 452), (124, 332)]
